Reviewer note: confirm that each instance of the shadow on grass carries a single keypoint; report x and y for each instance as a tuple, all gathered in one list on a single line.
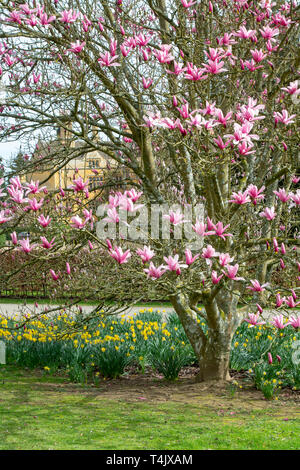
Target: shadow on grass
[(45, 412)]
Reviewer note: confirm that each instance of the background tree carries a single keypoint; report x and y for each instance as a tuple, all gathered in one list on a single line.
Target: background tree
[(198, 100)]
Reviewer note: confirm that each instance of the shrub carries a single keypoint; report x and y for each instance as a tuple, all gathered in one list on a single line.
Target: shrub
[(168, 358), (111, 359)]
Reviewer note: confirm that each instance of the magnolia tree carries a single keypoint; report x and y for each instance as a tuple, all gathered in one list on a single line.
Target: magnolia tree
[(198, 100)]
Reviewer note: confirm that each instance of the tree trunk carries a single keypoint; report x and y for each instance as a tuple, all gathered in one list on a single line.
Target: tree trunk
[(214, 362), (212, 350)]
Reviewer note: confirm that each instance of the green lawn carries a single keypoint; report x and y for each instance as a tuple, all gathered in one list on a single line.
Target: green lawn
[(38, 411)]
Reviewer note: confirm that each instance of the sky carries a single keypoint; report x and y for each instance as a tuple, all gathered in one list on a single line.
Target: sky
[(9, 149)]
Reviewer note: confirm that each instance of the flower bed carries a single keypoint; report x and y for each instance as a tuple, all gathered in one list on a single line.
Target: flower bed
[(105, 346)]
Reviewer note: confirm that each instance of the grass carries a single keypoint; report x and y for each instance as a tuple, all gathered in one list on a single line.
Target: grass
[(40, 411)]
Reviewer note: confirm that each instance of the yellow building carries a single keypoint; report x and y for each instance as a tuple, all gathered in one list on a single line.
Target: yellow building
[(90, 166), (103, 173)]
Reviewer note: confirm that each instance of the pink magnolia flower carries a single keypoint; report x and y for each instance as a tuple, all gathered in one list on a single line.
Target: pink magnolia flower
[(173, 265), (14, 238), (25, 244), (214, 67), (214, 277), (253, 320), (113, 200), (54, 275), (77, 47), (258, 55), (292, 89), (200, 228), (15, 17), (283, 117), (231, 272), (33, 187), (290, 302), (268, 33), (86, 23), (189, 258), (219, 230), (34, 205), (175, 218), (226, 40), (44, 221), (275, 244), (256, 287), (113, 47), (209, 252), (251, 65), (255, 193), (240, 198), (193, 73), (210, 109), (46, 244), (126, 203), (282, 195), (106, 60), (210, 225), (296, 197), (163, 56), (119, 256), (79, 185), (187, 4), (32, 21), (184, 111), (278, 322), (17, 194), (68, 16), (45, 20), (3, 217), (224, 120), (294, 294), (76, 222), (279, 300), (243, 33), (259, 308), (142, 40), (220, 143), (242, 133), (282, 249), (268, 213), (88, 215), (133, 194), (177, 70), (113, 216), (25, 8), (294, 321), (146, 253), (68, 268), (224, 259), (147, 82), (125, 50), (214, 54), (153, 272), (245, 149)]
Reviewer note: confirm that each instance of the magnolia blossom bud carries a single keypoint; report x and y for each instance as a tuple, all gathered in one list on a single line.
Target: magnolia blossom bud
[(270, 359)]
